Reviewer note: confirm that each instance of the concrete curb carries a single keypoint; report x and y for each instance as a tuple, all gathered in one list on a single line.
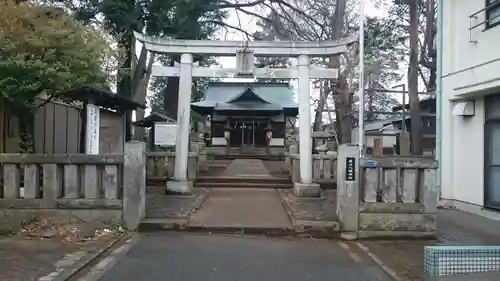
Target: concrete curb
[(267, 231), (201, 200), (152, 225), (98, 270), (163, 224), (73, 269)]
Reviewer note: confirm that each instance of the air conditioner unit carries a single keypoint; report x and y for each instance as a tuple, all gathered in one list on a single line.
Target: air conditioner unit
[(404, 2), (464, 108)]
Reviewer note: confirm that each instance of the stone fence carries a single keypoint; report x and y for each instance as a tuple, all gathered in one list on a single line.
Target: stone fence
[(324, 168), (392, 196), (87, 187), (160, 166)]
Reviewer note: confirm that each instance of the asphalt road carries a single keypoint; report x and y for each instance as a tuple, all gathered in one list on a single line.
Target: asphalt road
[(190, 257)]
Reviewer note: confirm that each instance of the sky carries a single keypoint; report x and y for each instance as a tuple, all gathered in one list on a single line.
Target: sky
[(249, 24)]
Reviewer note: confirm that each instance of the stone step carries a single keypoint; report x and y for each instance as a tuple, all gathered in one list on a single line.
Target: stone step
[(250, 148), (242, 185), (244, 179), (172, 224), (246, 156), (182, 224)]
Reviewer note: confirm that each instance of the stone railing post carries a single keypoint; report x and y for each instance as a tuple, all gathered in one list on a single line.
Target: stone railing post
[(192, 169), (134, 184), (348, 188), (292, 149), (295, 169)]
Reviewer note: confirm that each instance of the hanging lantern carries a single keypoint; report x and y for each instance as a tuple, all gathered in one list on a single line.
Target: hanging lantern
[(227, 131), (269, 131), (269, 135)]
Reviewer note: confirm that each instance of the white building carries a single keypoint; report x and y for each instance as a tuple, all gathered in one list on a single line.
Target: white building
[(470, 119)]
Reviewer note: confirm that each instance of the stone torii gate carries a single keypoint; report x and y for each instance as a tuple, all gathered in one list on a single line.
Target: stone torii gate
[(245, 52)]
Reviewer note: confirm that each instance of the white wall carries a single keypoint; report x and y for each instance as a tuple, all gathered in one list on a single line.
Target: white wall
[(219, 141), (470, 71), (277, 142), (273, 142), (387, 141), (471, 67)]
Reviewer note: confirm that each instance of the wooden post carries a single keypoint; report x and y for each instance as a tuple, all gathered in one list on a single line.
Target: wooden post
[(378, 147)]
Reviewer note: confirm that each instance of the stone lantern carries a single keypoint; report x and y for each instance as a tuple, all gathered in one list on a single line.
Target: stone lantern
[(320, 141)]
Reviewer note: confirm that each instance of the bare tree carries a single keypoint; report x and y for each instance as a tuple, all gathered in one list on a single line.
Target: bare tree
[(428, 51), (332, 20)]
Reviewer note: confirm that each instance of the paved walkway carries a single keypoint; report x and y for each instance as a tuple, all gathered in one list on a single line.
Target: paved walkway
[(246, 168), (182, 256), (241, 208), (455, 227), (245, 208)]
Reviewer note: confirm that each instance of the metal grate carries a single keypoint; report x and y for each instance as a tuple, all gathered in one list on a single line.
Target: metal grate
[(456, 260)]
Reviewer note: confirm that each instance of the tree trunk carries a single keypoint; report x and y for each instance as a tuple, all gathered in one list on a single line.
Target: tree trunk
[(171, 93), (318, 117), (416, 118), (124, 83), (140, 97), (431, 49), (337, 26), (343, 106), (369, 114), (343, 102)]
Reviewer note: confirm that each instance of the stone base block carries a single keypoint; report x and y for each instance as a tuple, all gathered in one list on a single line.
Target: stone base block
[(182, 187), (306, 189), (349, 236)]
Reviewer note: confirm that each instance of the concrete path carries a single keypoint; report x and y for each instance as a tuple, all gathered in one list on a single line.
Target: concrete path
[(196, 257), (241, 208), (246, 168)]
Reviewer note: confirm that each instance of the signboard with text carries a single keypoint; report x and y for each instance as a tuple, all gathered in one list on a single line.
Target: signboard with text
[(350, 168), (165, 134), (92, 129)]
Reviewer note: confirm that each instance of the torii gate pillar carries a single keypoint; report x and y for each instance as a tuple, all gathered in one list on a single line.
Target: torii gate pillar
[(305, 188), (181, 184)]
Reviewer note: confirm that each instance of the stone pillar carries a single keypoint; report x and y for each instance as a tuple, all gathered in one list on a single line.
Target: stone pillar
[(292, 149), (134, 184), (180, 184), (348, 190), (404, 143), (305, 187)]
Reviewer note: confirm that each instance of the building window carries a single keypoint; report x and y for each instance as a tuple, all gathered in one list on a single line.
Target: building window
[(492, 13)]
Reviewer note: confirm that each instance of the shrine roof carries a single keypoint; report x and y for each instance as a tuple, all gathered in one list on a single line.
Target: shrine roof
[(153, 118), (100, 97), (248, 106), (219, 93)]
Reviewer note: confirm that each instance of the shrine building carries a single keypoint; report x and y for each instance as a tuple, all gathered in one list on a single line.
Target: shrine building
[(247, 115)]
